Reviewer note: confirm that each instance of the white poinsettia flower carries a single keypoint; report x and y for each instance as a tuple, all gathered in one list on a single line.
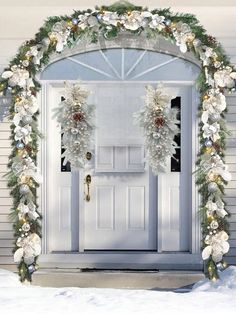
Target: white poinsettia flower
[(217, 246), (221, 212), (38, 57), (29, 209), (29, 248), (60, 27), (23, 209), (216, 103), (32, 52), (83, 20), (133, 21), (60, 37), (110, 18), (16, 76), (219, 168), (206, 54), (211, 131), (26, 168), (216, 207), (157, 22), (181, 33), (23, 133), (225, 77), (26, 106)]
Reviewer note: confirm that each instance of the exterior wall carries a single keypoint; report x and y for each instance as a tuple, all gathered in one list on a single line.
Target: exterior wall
[(18, 24), (230, 191)]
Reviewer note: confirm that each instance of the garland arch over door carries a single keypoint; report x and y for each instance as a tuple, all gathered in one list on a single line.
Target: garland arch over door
[(103, 24)]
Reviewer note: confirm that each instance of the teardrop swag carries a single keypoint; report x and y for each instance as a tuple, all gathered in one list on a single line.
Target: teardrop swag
[(59, 32)]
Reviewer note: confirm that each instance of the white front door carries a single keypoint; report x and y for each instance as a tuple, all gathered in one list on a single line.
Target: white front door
[(121, 213), (129, 208)]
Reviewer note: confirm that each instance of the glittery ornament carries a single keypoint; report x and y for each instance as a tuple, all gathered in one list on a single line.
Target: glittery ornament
[(212, 187), (168, 22), (31, 269), (208, 143), (214, 117), (20, 145), (197, 42), (24, 189), (26, 119), (74, 21)]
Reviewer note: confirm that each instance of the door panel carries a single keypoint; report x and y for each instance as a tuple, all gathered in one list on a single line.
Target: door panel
[(120, 213)]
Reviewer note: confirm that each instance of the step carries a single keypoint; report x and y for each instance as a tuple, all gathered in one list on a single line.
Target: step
[(151, 280)]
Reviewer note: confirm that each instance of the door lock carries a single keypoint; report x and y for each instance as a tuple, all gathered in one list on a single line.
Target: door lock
[(88, 180)]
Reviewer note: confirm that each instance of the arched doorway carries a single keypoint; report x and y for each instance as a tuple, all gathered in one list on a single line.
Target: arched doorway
[(131, 213)]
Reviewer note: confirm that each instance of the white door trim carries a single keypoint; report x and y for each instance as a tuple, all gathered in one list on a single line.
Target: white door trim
[(44, 191)]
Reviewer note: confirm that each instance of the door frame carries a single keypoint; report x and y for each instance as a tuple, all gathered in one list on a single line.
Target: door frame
[(192, 258)]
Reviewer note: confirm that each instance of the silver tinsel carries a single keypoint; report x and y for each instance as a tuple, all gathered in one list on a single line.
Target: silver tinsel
[(76, 119), (159, 124)]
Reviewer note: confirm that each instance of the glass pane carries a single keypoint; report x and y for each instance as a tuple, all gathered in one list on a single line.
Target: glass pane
[(64, 168), (176, 160)]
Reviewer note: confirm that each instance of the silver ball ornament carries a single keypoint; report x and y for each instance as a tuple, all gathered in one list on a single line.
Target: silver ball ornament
[(74, 21), (26, 119), (24, 189), (168, 22), (212, 187), (20, 145), (31, 269), (197, 42), (215, 117), (208, 143)]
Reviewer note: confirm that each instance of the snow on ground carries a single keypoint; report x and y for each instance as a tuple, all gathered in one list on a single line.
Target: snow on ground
[(206, 297)]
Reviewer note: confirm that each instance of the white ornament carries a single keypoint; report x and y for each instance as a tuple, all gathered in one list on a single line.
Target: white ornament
[(159, 126), (76, 119), (214, 224)]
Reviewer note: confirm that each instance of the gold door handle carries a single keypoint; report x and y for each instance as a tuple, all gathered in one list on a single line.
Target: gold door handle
[(88, 180)]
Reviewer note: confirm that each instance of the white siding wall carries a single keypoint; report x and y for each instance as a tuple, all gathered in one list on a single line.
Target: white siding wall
[(230, 191), (18, 24)]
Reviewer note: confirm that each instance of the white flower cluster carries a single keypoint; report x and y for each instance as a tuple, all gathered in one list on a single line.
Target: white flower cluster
[(23, 166), (133, 20), (159, 124), (76, 119), (29, 248)]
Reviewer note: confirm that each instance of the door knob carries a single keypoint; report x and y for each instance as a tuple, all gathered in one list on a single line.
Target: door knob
[(88, 180), (88, 156)]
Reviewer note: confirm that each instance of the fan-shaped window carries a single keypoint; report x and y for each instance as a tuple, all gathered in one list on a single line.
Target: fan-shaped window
[(121, 64)]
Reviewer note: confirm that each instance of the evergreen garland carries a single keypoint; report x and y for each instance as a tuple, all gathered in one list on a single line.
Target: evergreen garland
[(58, 32)]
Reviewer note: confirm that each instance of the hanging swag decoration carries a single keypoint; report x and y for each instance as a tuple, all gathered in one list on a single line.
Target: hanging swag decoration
[(159, 124), (76, 120), (216, 77)]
